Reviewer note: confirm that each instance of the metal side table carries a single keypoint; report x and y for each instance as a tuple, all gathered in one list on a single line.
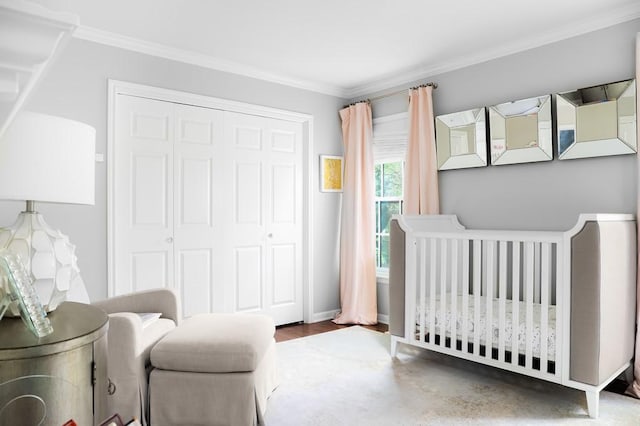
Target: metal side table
[(59, 377)]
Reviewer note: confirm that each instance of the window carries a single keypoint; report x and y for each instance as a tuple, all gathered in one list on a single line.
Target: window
[(389, 177), (389, 150)]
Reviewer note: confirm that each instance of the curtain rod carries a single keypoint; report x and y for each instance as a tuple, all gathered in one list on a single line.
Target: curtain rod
[(375, 98)]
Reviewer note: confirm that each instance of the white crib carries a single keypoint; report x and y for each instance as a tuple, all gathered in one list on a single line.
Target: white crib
[(559, 306)]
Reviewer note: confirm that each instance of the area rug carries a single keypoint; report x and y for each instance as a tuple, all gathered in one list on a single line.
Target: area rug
[(347, 377)]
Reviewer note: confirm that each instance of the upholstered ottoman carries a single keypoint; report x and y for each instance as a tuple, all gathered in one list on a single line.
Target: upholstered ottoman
[(213, 369)]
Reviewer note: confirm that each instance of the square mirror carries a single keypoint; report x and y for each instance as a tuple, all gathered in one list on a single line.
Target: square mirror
[(461, 140), (597, 121), (520, 131)]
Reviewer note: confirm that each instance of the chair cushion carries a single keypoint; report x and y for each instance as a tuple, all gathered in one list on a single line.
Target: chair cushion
[(153, 333), (215, 343)]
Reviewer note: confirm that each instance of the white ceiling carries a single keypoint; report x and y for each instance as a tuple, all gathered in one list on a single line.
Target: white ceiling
[(340, 47)]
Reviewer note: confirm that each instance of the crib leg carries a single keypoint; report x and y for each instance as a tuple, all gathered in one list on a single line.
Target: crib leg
[(593, 403), (394, 346)]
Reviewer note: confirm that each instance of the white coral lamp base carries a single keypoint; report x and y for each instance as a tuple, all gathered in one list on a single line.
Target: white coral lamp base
[(47, 254)]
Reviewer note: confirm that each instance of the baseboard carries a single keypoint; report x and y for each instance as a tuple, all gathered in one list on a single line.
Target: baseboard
[(323, 316)]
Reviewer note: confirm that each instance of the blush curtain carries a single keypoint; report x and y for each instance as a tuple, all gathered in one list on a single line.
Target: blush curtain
[(421, 170), (358, 297), (634, 388)]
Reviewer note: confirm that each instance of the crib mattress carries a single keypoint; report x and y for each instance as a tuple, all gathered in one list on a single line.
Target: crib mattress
[(481, 326)]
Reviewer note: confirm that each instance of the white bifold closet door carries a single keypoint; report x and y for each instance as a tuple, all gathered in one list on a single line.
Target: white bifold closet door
[(208, 202)]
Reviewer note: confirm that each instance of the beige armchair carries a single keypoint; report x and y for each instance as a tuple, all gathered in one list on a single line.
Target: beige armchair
[(129, 346)]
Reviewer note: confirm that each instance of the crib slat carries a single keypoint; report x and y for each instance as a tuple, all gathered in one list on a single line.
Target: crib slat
[(502, 295), (477, 268), (528, 299), (423, 289), (515, 302), (536, 273), (454, 293), (432, 292), (545, 278), (488, 340), (465, 296), (560, 299), (443, 291)]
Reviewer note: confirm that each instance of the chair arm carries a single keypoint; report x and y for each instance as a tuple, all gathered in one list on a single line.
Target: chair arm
[(124, 339), (125, 366), (162, 300)]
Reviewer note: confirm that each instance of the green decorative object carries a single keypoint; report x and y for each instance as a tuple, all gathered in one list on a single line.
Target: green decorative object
[(17, 288)]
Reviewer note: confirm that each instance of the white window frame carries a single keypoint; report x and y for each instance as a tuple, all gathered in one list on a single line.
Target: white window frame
[(390, 134), (384, 272)]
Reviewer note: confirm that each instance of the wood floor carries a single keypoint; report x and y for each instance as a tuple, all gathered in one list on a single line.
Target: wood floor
[(293, 331)]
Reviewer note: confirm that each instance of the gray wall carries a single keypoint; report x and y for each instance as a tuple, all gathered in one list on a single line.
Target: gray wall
[(76, 88), (547, 195)]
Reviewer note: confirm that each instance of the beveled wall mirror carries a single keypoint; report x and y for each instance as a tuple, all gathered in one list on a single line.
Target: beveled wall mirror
[(597, 121), (461, 140), (520, 131)]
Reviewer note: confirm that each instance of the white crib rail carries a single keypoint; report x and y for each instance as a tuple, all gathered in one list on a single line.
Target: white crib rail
[(451, 272)]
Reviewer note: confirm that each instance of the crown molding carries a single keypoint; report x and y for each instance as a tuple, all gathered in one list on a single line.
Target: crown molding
[(614, 17), (193, 58)]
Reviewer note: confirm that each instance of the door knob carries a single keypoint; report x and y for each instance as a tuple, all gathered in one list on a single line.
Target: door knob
[(169, 240), (269, 235)]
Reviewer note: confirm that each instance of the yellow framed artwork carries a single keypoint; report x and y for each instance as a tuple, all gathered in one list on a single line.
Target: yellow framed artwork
[(330, 173)]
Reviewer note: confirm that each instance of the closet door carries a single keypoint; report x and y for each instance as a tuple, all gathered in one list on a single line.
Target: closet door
[(143, 194), (209, 203), (196, 207), (165, 193), (263, 245)]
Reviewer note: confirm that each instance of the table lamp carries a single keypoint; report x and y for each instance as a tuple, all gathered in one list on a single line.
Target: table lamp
[(46, 159)]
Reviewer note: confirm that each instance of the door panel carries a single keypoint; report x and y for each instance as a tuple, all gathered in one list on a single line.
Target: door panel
[(248, 136), (149, 270), (150, 190), (283, 201), (196, 195), (143, 194), (248, 194), (284, 141), (285, 221), (195, 267), (197, 146), (267, 194), (284, 273), (152, 124), (198, 130), (249, 277)]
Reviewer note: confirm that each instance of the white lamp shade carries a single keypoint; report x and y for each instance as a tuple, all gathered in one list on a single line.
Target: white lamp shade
[(46, 158)]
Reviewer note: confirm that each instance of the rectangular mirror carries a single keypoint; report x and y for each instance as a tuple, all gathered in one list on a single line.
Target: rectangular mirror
[(597, 121), (461, 140), (520, 131)]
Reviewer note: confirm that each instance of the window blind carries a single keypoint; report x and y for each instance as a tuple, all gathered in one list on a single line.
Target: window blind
[(390, 135)]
